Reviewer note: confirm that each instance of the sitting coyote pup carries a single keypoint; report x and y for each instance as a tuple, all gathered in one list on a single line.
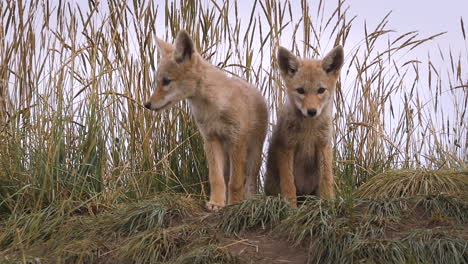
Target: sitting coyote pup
[(230, 114), (300, 154)]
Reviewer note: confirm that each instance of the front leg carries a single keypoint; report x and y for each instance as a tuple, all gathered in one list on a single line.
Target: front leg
[(215, 156), (238, 157), (327, 182), (285, 159)]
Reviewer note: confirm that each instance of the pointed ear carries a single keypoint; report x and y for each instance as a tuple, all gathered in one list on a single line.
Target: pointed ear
[(163, 47), (334, 60), (287, 62), (184, 48)]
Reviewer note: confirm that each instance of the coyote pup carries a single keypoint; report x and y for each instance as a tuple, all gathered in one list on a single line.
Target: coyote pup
[(300, 154), (230, 113)]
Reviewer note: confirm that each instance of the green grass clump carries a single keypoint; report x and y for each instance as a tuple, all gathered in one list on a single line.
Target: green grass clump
[(139, 232), (375, 251), (87, 250), (387, 208), (158, 245), (151, 214), (80, 239), (417, 247), (25, 229), (315, 218), (380, 215), (209, 254), (348, 245), (49, 236), (395, 184), (338, 221), (428, 246), (263, 212), (348, 248), (332, 247), (451, 206)]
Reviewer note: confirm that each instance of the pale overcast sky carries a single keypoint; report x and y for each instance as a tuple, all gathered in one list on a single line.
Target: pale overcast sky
[(428, 17)]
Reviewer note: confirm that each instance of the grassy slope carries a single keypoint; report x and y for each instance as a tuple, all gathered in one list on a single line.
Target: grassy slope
[(174, 228)]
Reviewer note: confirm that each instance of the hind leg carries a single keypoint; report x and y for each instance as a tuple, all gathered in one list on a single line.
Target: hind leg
[(254, 162), (272, 177), (238, 156)]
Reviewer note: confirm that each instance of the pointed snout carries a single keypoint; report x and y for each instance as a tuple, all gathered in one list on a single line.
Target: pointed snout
[(157, 106), (311, 112), (156, 100)]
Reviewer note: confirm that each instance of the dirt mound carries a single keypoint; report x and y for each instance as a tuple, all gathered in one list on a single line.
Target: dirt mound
[(173, 228), (263, 248)]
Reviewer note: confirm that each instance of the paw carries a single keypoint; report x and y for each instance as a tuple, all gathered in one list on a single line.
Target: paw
[(236, 195), (292, 202), (213, 206)]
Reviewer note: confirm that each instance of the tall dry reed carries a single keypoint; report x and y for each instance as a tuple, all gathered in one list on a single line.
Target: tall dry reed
[(73, 78)]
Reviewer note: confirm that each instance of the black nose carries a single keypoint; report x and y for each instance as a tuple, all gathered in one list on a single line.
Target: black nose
[(148, 105), (312, 112)]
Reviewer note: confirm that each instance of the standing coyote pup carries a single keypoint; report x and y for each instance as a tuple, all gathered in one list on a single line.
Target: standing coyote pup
[(230, 114), (300, 155)]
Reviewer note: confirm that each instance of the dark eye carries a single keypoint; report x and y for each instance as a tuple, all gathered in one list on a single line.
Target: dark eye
[(165, 81), (300, 90), (321, 90)]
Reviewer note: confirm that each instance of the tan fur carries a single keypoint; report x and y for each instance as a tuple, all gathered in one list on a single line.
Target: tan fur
[(230, 114), (300, 155)]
